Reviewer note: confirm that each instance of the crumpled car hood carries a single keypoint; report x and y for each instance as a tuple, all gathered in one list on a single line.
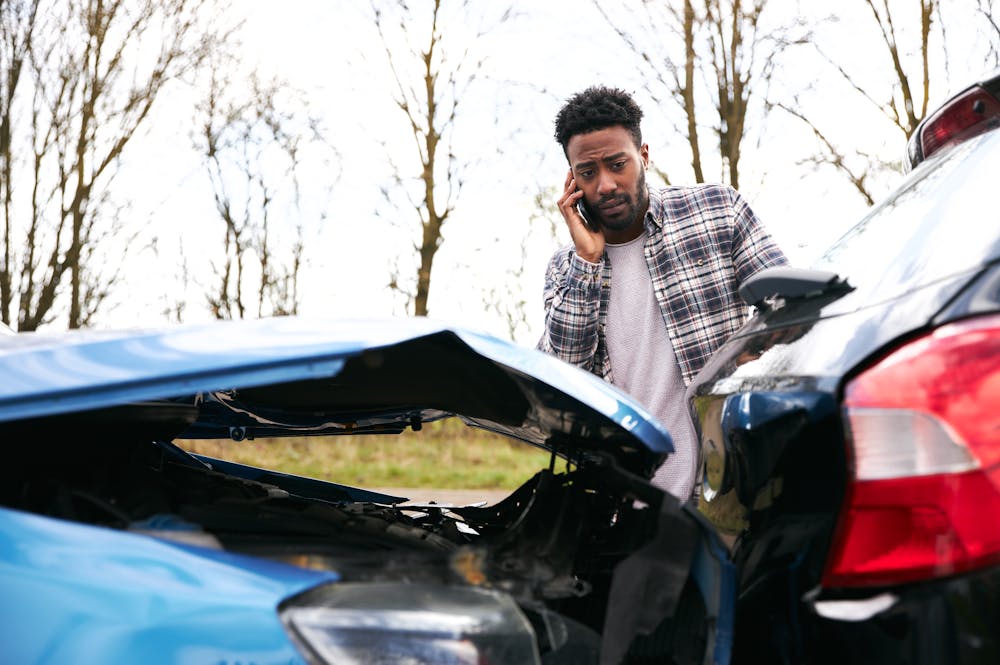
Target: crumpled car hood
[(291, 376)]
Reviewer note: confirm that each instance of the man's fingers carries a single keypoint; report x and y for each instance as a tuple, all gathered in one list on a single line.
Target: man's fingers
[(570, 191), (568, 203)]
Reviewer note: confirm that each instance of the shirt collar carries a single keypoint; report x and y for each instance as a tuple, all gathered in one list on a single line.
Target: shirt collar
[(653, 220)]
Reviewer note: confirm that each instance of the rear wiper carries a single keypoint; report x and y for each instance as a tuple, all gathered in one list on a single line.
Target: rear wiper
[(789, 283)]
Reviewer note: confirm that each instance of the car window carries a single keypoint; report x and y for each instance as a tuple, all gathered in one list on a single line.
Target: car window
[(940, 222)]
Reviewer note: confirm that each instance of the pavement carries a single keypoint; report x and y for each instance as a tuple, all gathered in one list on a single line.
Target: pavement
[(457, 497)]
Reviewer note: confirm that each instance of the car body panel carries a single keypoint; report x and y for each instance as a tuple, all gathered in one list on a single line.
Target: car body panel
[(981, 296), (789, 347), (716, 578), (947, 622), (120, 597)]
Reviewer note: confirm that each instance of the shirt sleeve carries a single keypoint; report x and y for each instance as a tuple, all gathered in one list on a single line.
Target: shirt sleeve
[(572, 299), (753, 248)]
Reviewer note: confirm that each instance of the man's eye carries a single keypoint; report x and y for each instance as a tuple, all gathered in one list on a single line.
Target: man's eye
[(618, 166), (585, 174)]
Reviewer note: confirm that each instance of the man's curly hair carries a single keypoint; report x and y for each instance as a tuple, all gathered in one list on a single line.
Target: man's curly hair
[(596, 108)]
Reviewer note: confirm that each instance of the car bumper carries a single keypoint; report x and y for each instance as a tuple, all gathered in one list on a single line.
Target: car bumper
[(951, 621)]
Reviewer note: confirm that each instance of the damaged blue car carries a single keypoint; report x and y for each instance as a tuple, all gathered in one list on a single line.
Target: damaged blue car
[(119, 546)]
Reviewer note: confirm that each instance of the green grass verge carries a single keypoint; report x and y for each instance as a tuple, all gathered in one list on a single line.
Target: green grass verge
[(444, 455)]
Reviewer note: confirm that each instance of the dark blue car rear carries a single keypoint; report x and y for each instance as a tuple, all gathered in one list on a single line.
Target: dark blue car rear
[(851, 432)]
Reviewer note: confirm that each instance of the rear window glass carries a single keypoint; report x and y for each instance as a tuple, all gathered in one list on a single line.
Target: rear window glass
[(942, 221)]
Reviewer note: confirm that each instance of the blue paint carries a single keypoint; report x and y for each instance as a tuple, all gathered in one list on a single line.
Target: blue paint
[(75, 594), (83, 370)]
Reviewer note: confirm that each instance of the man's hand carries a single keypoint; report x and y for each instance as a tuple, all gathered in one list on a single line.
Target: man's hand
[(589, 244)]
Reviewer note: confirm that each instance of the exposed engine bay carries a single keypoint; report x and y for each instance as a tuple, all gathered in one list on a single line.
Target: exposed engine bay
[(553, 544)]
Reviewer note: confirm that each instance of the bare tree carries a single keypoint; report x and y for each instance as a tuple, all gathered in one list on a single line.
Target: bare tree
[(858, 174), (432, 70), (670, 84), (733, 41), (905, 45), (984, 8), (709, 62), (905, 102), (80, 81), (253, 147), (17, 32)]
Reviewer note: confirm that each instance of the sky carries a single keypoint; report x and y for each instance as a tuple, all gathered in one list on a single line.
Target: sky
[(548, 51)]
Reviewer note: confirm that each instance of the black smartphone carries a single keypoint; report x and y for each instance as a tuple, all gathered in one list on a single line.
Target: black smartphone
[(588, 218)]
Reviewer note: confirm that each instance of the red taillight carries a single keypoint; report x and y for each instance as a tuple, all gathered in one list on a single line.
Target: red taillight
[(972, 112), (924, 431)]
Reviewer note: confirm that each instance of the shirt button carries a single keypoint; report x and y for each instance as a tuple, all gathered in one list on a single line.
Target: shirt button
[(701, 262)]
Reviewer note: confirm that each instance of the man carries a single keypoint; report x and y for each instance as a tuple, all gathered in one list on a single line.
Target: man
[(678, 256)]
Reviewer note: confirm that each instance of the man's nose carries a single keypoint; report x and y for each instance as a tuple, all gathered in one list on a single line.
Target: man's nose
[(606, 184)]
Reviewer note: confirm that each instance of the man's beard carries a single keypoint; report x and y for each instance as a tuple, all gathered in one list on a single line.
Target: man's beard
[(636, 205)]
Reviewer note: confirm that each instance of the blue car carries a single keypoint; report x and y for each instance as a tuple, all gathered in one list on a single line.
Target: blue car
[(118, 546)]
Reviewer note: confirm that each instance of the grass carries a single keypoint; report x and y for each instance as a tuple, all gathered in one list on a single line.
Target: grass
[(444, 455)]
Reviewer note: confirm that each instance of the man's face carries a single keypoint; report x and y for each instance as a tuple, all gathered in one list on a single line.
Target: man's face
[(611, 171)]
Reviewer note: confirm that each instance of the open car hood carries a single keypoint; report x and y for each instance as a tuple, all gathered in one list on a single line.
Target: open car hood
[(291, 376)]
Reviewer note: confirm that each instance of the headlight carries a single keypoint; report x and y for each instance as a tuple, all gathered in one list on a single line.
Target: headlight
[(409, 624)]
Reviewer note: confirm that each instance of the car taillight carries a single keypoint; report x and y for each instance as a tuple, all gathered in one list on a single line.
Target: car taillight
[(924, 434), (970, 113)]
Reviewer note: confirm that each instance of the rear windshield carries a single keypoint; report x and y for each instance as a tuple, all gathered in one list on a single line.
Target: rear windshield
[(942, 221)]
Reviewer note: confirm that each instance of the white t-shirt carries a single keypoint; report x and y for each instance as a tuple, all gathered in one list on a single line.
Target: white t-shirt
[(643, 361)]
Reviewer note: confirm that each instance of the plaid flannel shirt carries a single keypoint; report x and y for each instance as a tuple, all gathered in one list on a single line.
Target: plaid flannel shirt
[(702, 243)]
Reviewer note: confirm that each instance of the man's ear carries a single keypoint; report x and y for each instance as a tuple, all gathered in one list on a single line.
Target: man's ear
[(644, 153)]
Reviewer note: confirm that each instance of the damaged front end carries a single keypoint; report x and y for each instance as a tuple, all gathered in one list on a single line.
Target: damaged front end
[(591, 557), (587, 564)]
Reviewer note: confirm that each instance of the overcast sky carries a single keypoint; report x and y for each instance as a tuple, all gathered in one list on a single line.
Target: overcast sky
[(551, 50)]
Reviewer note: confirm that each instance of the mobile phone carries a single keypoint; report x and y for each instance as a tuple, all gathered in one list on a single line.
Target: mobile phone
[(588, 218)]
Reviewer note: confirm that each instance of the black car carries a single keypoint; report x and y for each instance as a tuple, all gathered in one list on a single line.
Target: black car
[(850, 432)]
